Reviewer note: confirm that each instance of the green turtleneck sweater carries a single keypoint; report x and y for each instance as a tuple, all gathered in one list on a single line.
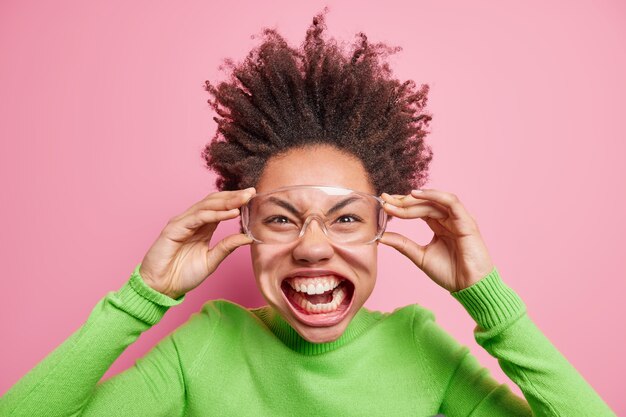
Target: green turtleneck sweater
[(227, 360)]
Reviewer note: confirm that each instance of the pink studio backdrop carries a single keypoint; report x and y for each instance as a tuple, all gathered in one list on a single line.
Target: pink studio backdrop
[(103, 117)]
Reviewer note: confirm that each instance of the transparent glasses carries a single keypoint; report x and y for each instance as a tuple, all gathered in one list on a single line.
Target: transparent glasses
[(345, 216)]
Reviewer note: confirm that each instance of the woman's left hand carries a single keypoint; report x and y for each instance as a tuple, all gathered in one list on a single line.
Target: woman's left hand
[(456, 257)]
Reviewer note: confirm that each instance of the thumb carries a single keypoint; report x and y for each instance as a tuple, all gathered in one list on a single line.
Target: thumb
[(225, 247), (405, 246)]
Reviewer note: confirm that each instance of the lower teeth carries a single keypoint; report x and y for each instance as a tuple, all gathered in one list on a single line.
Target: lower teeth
[(339, 295)]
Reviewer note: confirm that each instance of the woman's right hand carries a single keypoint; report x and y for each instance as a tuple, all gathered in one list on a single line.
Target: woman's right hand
[(180, 259)]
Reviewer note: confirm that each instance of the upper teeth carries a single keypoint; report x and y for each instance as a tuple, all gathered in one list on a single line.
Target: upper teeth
[(315, 285)]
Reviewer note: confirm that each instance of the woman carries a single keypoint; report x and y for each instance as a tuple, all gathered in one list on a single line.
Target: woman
[(315, 150)]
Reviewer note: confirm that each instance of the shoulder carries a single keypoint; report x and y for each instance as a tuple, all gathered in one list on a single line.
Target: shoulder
[(230, 318), (430, 337), (217, 319), (424, 326), (411, 321), (224, 311), (212, 315), (416, 314)]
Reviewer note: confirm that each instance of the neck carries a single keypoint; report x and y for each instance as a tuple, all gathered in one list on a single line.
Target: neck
[(292, 339)]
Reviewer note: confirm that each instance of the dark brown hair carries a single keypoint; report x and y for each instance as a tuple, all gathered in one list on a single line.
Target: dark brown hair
[(280, 98)]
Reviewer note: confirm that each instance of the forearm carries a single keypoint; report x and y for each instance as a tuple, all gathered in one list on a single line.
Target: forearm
[(550, 384), (63, 382)]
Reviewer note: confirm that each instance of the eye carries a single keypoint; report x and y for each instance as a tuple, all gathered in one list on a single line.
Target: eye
[(276, 220), (348, 218)]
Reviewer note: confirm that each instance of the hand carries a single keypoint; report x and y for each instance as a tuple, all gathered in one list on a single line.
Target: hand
[(456, 257), (180, 259)]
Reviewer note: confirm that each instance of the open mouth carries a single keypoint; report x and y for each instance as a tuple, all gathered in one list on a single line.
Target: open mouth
[(319, 301)]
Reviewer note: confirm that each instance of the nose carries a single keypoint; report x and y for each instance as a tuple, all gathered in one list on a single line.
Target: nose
[(314, 246)]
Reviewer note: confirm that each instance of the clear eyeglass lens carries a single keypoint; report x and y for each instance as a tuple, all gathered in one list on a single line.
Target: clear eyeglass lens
[(349, 217)]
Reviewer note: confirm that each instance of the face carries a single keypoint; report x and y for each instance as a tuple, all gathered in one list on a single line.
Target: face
[(314, 254)]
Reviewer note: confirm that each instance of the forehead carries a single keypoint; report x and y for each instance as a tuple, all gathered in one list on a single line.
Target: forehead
[(306, 196), (320, 165)]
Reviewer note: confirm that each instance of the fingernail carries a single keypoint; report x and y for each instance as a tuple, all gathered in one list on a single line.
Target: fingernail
[(416, 191)]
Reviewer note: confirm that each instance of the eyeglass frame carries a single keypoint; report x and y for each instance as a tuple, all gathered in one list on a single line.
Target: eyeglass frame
[(245, 214)]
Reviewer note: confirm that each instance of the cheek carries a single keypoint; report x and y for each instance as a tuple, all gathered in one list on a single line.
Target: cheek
[(266, 261), (267, 258), (362, 260)]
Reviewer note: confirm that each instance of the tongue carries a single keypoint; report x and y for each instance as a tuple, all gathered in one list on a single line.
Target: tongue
[(326, 297)]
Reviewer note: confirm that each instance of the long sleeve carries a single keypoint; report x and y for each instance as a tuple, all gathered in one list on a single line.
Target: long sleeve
[(66, 382), (550, 384)]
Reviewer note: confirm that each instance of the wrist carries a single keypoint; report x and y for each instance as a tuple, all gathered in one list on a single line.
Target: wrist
[(149, 282), (490, 301), (171, 294), (140, 300)]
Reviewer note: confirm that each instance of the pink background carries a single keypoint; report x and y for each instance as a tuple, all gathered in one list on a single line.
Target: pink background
[(103, 117)]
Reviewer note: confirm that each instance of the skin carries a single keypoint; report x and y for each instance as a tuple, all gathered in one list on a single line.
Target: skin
[(181, 259), (322, 166), (457, 256)]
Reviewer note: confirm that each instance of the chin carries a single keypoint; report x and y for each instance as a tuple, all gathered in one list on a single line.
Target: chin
[(321, 338), (318, 304), (319, 334)]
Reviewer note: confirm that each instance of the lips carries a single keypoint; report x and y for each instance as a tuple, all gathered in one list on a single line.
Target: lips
[(315, 277), (314, 273), (318, 297)]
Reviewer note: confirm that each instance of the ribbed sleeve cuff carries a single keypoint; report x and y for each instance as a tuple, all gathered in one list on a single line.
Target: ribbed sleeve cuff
[(142, 301), (490, 301)]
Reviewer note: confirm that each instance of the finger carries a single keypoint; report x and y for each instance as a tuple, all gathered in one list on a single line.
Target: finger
[(405, 246), (225, 247), (438, 228), (418, 210), (448, 200), (201, 217), (226, 194), (234, 201), (219, 201), (399, 200), (181, 228), (223, 200)]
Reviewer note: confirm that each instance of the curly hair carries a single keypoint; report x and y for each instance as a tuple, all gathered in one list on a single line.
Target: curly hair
[(280, 98)]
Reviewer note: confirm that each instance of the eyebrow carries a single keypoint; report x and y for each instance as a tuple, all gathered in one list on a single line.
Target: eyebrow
[(295, 211)]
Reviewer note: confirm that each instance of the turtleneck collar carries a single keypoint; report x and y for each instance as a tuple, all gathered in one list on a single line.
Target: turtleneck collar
[(362, 320)]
